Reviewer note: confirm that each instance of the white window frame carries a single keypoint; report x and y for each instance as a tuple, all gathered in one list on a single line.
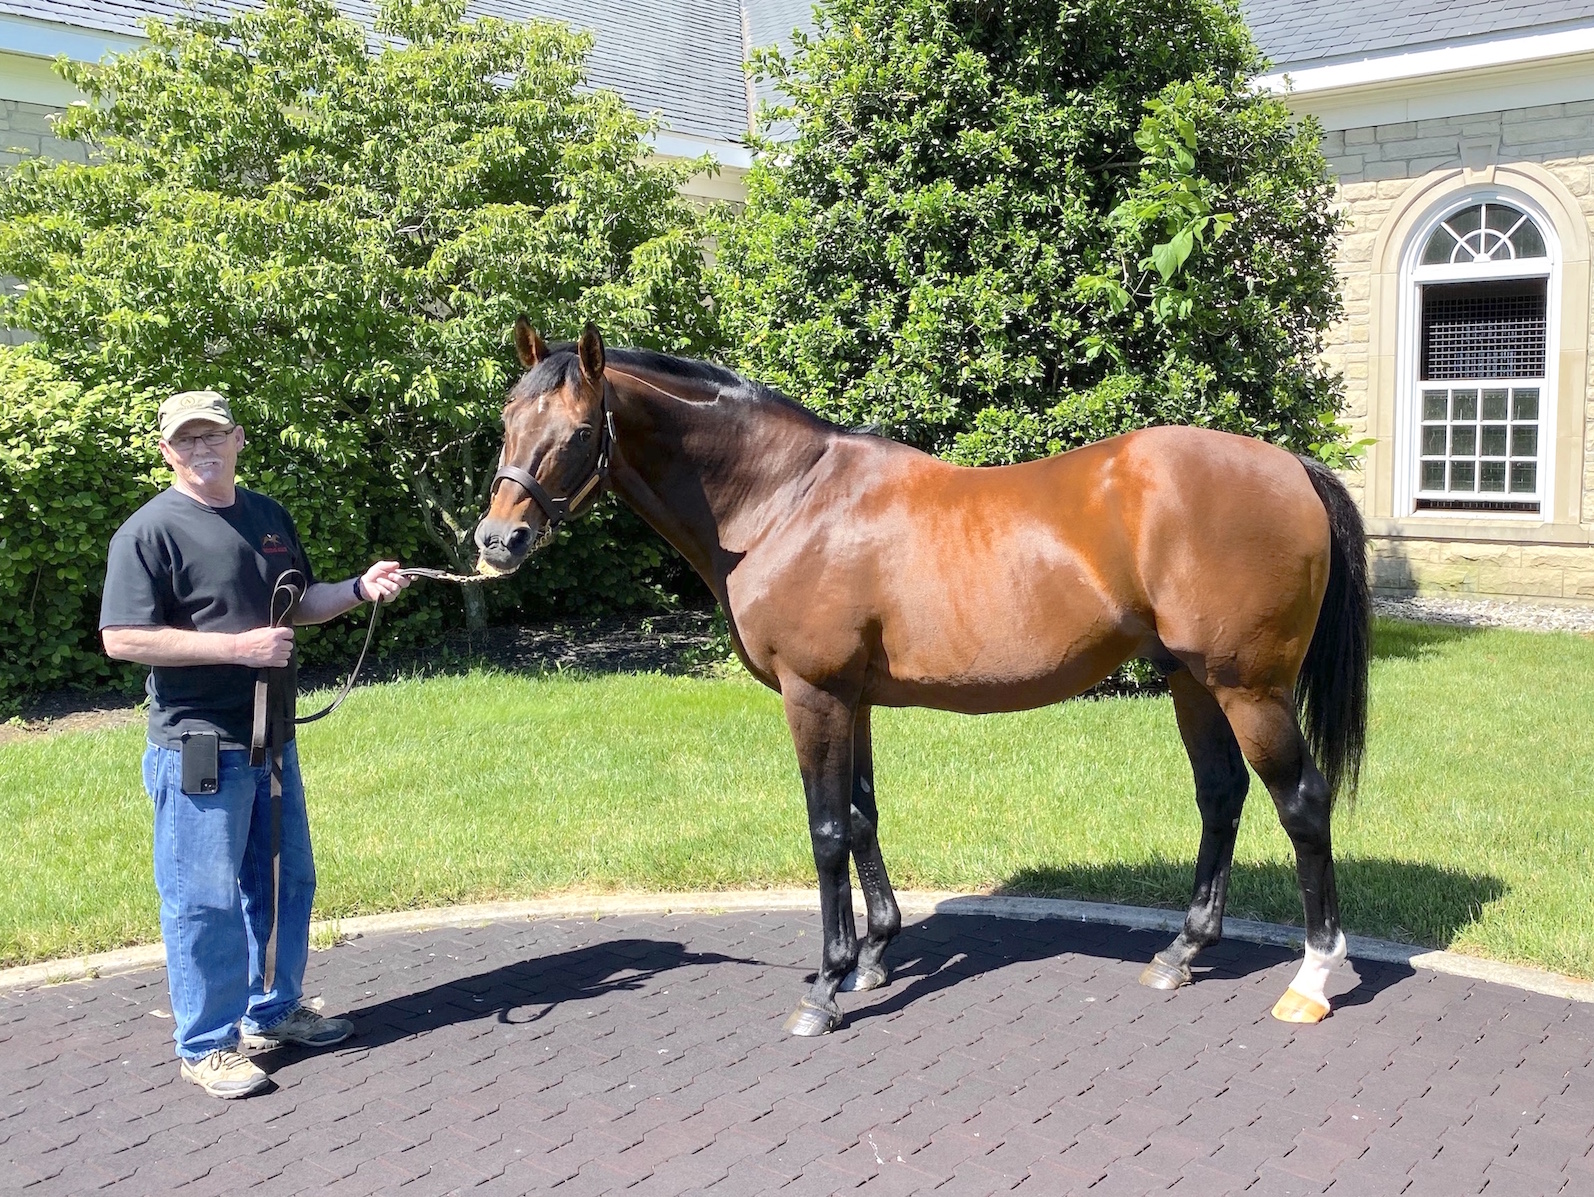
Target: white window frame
[(1408, 350)]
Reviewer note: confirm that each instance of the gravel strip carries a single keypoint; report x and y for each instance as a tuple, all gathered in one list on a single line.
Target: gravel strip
[(1487, 613)]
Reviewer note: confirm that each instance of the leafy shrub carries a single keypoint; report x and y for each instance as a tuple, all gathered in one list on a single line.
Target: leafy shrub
[(69, 470)]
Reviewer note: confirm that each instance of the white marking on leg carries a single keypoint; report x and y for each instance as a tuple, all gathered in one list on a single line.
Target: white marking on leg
[(1316, 968)]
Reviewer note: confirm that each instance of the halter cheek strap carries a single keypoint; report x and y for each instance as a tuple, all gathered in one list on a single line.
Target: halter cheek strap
[(558, 510)]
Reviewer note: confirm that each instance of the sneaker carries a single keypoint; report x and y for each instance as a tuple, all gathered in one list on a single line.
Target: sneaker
[(224, 1073), (304, 1027)]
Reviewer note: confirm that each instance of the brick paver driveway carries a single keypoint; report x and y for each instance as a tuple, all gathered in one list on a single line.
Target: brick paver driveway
[(644, 1055)]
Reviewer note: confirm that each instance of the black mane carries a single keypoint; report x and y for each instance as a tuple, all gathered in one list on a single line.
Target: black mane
[(686, 367), (562, 366)]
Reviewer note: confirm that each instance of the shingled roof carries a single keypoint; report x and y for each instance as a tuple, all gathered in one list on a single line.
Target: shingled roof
[(1299, 33), (681, 57), (684, 57)]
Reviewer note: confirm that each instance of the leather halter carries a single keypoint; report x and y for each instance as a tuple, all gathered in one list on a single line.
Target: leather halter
[(558, 510)]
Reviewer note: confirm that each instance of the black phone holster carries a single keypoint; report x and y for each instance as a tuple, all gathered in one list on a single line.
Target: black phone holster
[(200, 762)]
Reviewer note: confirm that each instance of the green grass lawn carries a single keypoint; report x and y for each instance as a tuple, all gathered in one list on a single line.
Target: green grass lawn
[(1474, 829)]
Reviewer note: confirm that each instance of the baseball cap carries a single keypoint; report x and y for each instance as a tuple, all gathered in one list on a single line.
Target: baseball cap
[(193, 405)]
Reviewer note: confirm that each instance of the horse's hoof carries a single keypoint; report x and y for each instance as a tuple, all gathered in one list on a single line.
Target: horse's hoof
[(1159, 974), (860, 979), (812, 1019), (1297, 1007)]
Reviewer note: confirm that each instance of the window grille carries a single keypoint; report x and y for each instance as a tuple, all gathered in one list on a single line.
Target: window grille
[(1483, 330)]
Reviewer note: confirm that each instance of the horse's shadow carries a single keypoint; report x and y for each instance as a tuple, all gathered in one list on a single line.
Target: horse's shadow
[(944, 949), (931, 955), (526, 991), (1420, 903)]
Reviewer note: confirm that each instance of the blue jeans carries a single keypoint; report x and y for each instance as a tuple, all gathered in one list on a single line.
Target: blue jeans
[(213, 874)]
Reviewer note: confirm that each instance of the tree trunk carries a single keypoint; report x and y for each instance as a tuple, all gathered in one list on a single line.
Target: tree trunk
[(453, 531), (475, 608), (461, 554)]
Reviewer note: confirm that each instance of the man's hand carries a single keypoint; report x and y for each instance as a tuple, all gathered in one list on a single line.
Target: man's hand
[(382, 582), (327, 600), (264, 648), (260, 648)]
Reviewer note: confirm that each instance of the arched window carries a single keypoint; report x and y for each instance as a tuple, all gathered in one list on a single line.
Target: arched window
[(1482, 282), (1484, 233)]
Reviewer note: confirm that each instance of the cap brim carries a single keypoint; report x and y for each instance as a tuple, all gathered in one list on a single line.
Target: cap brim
[(207, 417)]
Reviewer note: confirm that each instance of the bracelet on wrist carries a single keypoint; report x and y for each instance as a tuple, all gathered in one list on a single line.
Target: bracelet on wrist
[(359, 592)]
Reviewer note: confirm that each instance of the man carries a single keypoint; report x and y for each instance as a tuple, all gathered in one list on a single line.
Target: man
[(188, 591)]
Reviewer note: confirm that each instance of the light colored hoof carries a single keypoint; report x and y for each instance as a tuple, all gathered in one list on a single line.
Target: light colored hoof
[(1161, 975), (811, 1019), (1297, 1007), (859, 980)]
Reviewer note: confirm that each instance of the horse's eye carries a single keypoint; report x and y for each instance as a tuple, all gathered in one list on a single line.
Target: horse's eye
[(583, 435)]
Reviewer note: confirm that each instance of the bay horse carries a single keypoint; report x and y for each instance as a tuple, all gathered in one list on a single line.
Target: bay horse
[(857, 572)]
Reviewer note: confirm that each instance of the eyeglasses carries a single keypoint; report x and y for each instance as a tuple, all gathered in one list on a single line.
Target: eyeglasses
[(213, 440)]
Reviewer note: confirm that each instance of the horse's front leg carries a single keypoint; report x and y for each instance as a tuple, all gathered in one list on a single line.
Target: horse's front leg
[(885, 919), (821, 729)]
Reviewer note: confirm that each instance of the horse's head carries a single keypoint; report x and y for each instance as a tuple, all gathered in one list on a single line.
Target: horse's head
[(557, 435)]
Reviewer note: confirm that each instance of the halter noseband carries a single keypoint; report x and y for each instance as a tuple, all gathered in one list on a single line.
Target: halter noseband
[(562, 509)]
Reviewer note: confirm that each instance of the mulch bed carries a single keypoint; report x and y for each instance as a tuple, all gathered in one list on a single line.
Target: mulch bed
[(676, 642)]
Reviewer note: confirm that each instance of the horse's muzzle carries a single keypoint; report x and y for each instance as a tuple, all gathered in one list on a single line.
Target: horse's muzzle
[(502, 546)]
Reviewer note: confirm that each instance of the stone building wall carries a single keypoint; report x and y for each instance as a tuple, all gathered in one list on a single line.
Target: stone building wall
[(1385, 174), (26, 131)]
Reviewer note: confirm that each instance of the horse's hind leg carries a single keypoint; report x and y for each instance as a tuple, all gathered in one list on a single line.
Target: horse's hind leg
[(1220, 784), (1270, 736), (885, 920)]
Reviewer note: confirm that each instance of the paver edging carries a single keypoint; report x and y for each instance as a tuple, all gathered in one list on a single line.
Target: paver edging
[(1138, 918)]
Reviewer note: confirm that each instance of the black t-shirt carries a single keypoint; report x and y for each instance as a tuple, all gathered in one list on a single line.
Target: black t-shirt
[(178, 563)]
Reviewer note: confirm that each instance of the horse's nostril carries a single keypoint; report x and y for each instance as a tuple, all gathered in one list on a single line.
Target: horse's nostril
[(518, 539)]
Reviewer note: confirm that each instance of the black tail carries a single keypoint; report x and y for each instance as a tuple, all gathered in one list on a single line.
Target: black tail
[(1331, 692)]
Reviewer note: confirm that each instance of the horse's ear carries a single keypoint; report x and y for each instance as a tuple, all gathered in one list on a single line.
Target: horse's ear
[(590, 351), (530, 348)]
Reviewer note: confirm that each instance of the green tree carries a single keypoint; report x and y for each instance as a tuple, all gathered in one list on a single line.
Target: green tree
[(1002, 230), (336, 226)]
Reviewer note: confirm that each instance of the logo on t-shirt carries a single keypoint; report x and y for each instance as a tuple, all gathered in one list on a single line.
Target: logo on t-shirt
[(272, 543)]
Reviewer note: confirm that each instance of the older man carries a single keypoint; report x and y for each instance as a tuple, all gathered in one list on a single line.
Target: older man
[(188, 591)]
